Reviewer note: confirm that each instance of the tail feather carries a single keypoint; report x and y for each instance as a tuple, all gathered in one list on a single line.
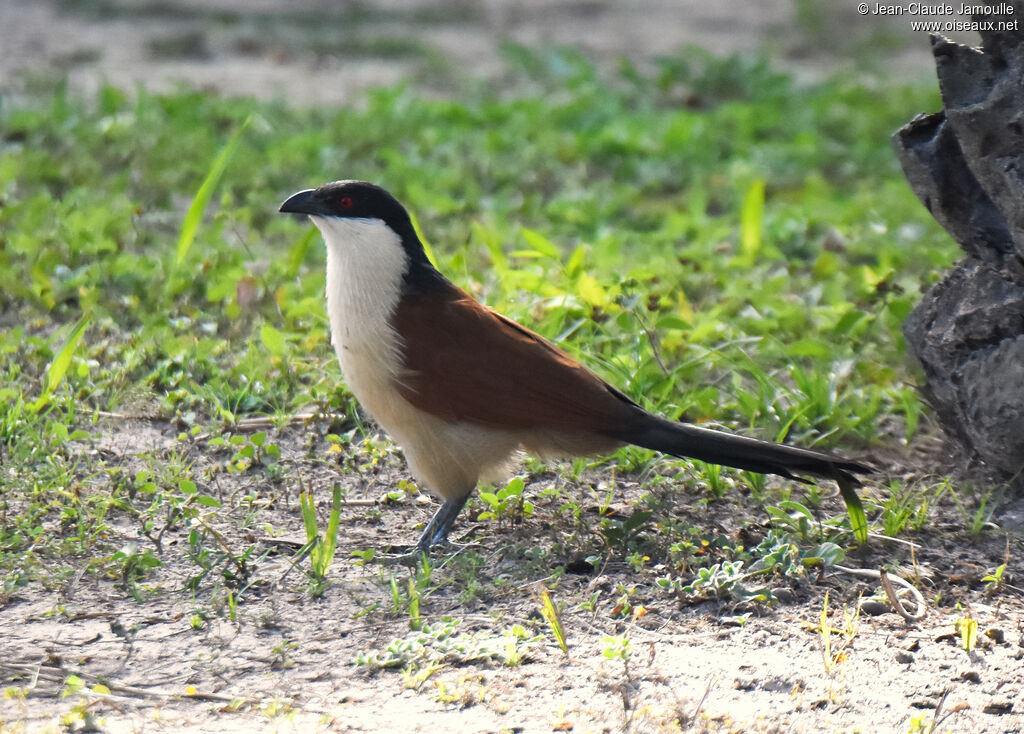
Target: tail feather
[(686, 440)]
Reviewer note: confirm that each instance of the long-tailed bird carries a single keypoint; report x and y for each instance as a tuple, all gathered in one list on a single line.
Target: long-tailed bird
[(461, 388)]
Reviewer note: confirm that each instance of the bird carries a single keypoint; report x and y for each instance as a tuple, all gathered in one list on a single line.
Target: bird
[(463, 390)]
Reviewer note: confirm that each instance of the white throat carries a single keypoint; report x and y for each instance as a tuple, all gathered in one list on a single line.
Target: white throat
[(365, 266)]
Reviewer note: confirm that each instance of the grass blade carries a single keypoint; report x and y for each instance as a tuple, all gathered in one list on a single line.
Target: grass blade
[(273, 340), (194, 215), (825, 631), (308, 515), (550, 614), (59, 366), (415, 620), (330, 541), (855, 509), (427, 249), (541, 244), (967, 628), (297, 252), (752, 221)]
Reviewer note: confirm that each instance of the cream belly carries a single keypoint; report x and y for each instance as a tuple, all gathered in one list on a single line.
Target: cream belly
[(448, 457)]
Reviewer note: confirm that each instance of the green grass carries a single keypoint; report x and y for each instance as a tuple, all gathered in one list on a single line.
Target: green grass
[(719, 242)]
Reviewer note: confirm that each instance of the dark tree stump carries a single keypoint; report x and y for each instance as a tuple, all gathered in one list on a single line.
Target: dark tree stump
[(966, 165)]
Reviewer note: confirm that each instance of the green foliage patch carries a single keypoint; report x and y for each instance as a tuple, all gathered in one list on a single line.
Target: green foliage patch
[(723, 244)]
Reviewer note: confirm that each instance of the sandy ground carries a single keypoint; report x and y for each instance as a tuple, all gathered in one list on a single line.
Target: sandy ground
[(178, 662), (324, 52)]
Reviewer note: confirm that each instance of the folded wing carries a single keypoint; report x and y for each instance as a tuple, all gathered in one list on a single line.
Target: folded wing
[(465, 362)]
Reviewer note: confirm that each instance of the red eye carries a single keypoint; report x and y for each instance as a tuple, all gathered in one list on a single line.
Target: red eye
[(345, 202)]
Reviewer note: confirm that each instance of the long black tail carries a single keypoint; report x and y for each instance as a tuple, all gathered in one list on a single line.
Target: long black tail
[(686, 440)]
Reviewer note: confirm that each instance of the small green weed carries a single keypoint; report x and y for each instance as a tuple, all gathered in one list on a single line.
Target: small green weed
[(418, 586), (833, 654), (795, 518), (776, 556), (130, 565), (282, 654), (994, 580), (617, 647), (251, 451), (554, 620), (725, 580), (321, 548), (981, 518), (433, 645), (618, 533), (81, 715), (904, 508), (967, 628), (507, 504)]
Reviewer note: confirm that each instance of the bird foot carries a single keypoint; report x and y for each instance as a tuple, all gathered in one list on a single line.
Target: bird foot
[(412, 556)]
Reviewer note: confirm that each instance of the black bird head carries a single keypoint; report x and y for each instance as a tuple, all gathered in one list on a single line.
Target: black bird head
[(362, 200), (350, 199)]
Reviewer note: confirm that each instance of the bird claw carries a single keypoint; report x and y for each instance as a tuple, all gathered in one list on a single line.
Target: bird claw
[(411, 559)]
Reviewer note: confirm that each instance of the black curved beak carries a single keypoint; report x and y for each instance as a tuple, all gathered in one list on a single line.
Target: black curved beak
[(300, 203)]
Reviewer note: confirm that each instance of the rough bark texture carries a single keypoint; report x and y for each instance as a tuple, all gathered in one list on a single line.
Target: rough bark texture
[(966, 164)]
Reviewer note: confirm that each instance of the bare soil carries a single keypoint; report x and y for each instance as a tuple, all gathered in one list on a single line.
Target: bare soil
[(325, 52), (175, 660)]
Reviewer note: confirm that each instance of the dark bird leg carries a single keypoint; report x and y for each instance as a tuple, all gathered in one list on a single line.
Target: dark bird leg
[(436, 531)]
